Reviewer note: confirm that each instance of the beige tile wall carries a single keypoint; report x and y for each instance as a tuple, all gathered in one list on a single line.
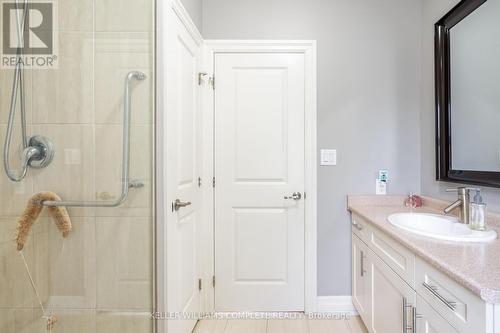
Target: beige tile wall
[(100, 278), (6, 76), (124, 265), (17, 320), (65, 96), (80, 321)]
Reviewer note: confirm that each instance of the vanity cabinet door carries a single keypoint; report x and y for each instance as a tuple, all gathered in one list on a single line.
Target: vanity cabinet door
[(392, 299), (361, 279), (429, 321)]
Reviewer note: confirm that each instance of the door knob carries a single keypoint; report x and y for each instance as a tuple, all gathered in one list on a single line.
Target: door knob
[(294, 196), (179, 204)]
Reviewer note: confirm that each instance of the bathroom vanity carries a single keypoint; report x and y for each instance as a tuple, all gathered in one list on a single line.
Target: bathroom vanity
[(403, 282)]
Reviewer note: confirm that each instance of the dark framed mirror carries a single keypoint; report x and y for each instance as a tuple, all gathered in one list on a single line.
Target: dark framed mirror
[(467, 77)]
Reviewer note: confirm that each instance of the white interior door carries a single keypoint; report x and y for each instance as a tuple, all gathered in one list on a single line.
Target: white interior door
[(183, 165), (259, 159)]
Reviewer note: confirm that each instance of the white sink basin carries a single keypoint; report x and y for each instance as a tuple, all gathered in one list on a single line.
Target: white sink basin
[(440, 227)]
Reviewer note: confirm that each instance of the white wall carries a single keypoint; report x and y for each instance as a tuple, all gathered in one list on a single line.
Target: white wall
[(368, 99), (194, 8), (433, 10)]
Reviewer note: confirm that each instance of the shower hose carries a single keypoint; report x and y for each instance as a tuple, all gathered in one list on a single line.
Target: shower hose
[(18, 89)]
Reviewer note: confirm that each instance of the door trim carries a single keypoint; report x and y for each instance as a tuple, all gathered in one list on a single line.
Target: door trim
[(308, 48)]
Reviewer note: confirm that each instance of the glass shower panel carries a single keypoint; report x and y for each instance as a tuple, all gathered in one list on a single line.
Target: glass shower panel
[(99, 279)]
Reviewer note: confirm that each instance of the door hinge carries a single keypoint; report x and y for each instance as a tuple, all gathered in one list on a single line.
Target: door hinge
[(213, 281), (211, 79), (199, 284), (199, 181), (213, 182), (305, 195), (200, 78)]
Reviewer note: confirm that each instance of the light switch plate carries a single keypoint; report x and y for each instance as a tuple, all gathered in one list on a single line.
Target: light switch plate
[(328, 157)]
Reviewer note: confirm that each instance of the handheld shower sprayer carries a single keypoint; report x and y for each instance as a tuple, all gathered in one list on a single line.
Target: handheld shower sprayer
[(37, 151)]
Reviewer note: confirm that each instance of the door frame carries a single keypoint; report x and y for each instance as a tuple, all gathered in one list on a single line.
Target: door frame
[(308, 48)]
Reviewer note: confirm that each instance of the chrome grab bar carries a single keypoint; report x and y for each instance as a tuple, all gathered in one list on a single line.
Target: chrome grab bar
[(126, 184), (434, 290)]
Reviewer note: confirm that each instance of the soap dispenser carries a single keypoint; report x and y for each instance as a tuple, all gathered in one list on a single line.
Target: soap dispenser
[(478, 212)]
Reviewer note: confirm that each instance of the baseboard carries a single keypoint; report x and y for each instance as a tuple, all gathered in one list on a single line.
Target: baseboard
[(336, 304)]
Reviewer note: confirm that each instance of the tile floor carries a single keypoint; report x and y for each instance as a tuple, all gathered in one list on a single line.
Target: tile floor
[(351, 325)]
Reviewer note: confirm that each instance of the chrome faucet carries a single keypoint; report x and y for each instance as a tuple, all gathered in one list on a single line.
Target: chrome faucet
[(463, 202)]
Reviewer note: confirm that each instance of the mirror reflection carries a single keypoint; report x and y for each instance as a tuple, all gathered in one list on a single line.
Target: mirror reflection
[(475, 90)]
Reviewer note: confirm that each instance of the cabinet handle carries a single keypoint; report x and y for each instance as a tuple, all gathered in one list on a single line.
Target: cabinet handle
[(362, 263), (357, 226), (405, 315), (406, 307), (414, 319), (434, 290)]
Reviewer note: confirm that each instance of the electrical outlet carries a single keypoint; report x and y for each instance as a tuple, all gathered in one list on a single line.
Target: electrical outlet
[(380, 187)]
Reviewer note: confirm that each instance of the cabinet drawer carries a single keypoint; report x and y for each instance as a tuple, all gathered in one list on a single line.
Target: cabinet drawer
[(457, 305), (360, 228), (430, 321), (395, 255)]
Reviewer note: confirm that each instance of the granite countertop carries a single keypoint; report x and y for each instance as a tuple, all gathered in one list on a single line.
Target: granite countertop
[(475, 266)]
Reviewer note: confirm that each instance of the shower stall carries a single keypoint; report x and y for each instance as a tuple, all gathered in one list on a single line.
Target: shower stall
[(85, 130)]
